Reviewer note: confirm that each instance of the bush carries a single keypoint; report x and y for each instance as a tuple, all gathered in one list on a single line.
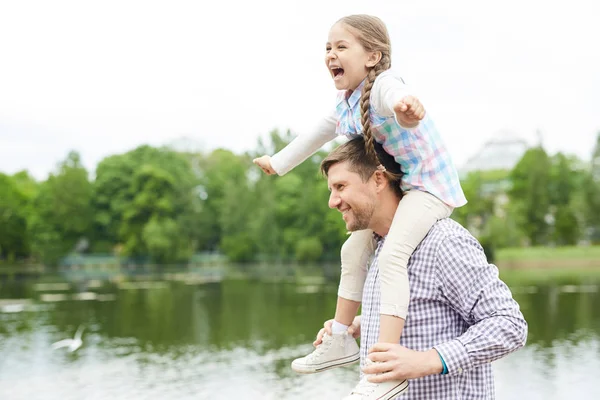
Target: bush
[(308, 249), (239, 248)]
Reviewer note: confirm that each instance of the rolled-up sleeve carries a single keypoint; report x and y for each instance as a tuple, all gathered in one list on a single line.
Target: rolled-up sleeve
[(473, 288)]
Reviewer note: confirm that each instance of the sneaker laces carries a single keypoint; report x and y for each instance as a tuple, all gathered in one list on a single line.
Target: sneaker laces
[(325, 345), (364, 387)]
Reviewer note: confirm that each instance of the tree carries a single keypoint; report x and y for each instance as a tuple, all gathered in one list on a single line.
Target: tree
[(291, 212), (564, 183), (144, 199), (63, 211), (481, 193), (530, 193), (591, 188), (14, 240), (224, 206), (308, 249)]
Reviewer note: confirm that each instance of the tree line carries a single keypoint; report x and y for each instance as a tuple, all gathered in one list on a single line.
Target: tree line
[(161, 205)]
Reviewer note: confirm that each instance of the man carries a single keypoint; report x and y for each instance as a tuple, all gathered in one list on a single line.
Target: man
[(461, 315)]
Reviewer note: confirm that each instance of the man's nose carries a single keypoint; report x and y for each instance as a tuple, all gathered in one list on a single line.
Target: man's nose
[(331, 55), (334, 200)]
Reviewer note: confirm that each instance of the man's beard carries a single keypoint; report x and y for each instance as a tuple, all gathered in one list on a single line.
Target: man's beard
[(361, 217)]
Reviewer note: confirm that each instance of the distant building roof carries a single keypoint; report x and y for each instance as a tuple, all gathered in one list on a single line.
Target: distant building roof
[(186, 144), (503, 151)]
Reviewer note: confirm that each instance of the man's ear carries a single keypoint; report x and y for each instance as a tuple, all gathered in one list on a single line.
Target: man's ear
[(381, 181), (374, 59)]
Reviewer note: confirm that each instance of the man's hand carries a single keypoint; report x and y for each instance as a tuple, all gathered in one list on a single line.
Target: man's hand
[(396, 362), (264, 163), (353, 330), (409, 111)]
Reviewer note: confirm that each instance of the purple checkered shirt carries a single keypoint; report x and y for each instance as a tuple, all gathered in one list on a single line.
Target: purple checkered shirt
[(459, 306)]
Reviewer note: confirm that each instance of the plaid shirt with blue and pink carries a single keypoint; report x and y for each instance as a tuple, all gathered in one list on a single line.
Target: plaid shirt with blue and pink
[(420, 151)]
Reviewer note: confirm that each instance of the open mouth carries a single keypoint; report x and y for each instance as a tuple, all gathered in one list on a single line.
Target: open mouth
[(337, 72)]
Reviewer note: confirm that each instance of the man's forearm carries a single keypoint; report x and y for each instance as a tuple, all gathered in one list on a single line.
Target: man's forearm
[(497, 326), (483, 343), (433, 363)]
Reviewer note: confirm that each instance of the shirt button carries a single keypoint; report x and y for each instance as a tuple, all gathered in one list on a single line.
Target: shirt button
[(460, 370)]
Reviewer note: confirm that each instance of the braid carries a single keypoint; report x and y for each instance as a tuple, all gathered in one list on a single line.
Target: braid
[(365, 104)]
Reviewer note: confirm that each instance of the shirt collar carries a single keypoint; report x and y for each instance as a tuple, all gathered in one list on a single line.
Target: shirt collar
[(377, 237), (354, 97)]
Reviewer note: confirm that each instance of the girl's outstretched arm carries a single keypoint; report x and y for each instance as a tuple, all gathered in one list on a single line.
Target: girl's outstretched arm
[(299, 149)]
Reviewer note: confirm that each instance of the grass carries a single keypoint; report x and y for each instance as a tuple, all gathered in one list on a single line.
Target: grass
[(566, 275), (566, 253)]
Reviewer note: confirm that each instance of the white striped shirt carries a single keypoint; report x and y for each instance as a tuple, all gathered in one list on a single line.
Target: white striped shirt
[(458, 305)]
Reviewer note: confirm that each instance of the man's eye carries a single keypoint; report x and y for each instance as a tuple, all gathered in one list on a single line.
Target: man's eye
[(327, 48), (341, 47)]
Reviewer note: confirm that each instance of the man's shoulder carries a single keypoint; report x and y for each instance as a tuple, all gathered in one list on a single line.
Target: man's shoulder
[(446, 229)]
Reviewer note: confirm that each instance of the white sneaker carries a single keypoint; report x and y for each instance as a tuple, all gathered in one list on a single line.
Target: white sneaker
[(366, 390), (336, 351)]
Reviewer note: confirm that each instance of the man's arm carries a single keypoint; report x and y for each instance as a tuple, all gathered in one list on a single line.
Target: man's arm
[(472, 287)]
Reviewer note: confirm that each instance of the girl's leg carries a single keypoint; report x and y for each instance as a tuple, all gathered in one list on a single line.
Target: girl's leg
[(345, 311), (417, 212), (340, 348), (355, 255)]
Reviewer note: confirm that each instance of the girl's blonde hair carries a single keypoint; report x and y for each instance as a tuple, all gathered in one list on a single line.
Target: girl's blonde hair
[(373, 36)]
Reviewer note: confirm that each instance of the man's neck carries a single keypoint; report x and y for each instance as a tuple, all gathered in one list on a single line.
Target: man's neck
[(382, 221)]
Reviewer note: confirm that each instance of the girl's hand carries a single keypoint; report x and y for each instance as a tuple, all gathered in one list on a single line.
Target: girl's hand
[(264, 163), (409, 111), (353, 330)]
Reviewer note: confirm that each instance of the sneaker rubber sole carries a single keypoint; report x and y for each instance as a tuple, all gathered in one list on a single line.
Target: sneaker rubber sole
[(313, 369), (395, 391)]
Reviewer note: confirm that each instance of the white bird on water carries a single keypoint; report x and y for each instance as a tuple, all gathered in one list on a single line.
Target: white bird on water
[(71, 344)]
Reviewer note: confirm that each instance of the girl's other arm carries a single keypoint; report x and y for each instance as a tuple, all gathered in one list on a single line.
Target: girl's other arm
[(392, 97)]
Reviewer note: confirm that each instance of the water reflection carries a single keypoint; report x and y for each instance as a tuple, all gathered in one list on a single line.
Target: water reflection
[(236, 338)]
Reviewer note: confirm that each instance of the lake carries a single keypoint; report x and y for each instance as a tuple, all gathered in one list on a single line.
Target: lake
[(188, 339)]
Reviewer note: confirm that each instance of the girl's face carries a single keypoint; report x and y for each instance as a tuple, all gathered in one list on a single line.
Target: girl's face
[(346, 59)]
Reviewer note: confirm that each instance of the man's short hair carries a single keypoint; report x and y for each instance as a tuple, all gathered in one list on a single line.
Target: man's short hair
[(354, 153)]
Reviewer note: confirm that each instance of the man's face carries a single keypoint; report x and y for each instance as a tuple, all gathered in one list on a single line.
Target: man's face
[(355, 199)]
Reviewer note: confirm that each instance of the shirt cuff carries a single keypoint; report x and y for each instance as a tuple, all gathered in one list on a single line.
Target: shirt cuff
[(411, 129), (455, 355), (444, 366), (276, 165)]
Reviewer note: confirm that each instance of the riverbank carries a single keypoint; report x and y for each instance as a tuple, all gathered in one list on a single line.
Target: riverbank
[(575, 257), (578, 259)]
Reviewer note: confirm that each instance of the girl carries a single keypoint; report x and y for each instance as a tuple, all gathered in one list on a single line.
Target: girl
[(374, 102)]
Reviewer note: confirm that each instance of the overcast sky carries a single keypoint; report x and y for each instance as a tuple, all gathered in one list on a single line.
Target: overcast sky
[(104, 77)]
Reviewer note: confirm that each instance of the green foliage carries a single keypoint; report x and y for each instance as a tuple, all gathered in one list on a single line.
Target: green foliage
[(164, 206), (530, 193), (503, 231), (164, 241), (14, 243), (591, 194), (481, 201), (309, 249), (145, 200), (239, 247), (63, 211)]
